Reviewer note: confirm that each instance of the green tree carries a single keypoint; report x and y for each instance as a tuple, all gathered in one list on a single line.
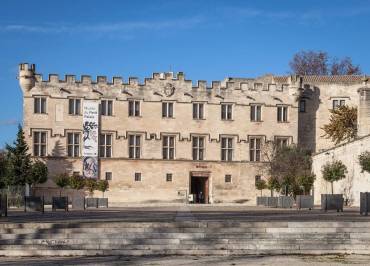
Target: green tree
[(3, 169), (364, 160), (19, 160), (333, 171), (76, 182), (102, 185), (306, 181), (287, 164), (91, 185), (342, 124), (273, 185), (261, 185), (38, 175), (62, 181)]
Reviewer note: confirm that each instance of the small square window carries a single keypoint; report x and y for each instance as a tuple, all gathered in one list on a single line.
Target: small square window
[(108, 176), (137, 177), (169, 177), (227, 178)]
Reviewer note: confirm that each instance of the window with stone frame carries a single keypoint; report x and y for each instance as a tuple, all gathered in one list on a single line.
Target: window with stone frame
[(256, 113), (105, 145), (338, 102), (227, 178), (137, 177), (134, 108), (108, 176), (168, 147), (134, 148), (39, 105), (74, 106), (39, 143), (198, 147), (255, 149), (282, 113), (226, 111), (107, 107), (227, 148), (167, 109), (168, 177), (281, 142), (73, 144), (198, 110)]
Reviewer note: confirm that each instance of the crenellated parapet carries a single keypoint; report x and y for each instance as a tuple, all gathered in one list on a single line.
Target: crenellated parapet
[(29, 78)]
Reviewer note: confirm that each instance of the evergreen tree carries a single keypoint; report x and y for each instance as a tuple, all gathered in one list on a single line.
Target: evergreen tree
[(19, 160)]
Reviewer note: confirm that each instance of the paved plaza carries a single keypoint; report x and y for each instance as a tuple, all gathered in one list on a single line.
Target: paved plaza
[(184, 213), (331, 260)]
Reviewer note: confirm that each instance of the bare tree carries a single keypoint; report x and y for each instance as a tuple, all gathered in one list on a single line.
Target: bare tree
[(310, 63), (344, 67), (320, 63)]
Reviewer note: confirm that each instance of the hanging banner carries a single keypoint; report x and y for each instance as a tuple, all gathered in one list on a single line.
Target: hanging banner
[(90, 139)]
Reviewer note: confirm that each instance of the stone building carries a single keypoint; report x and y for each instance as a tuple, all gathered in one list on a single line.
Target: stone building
[(167, 138)]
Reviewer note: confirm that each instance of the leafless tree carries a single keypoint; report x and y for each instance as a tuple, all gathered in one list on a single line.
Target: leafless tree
[(344, 67), (310, 63), (320, 63)]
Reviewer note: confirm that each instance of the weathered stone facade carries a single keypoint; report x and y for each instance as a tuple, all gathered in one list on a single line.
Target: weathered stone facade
[(269, 92)]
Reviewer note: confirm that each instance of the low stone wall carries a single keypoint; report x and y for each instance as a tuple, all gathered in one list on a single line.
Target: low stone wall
[(356, 180)]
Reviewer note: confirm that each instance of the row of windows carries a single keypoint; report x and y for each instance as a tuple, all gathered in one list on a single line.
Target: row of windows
[(168, 177), (74, 108), (168, 146), (167, 109)]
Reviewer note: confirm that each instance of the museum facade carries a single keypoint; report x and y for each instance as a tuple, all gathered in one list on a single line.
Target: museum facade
[(167, 138)]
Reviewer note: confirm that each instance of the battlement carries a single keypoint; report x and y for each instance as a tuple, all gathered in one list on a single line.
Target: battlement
[(134, 82), (27, 67), (268, 82)]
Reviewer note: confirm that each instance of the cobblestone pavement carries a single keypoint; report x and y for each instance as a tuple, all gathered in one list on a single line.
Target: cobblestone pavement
[(184, 213), (192, 260)]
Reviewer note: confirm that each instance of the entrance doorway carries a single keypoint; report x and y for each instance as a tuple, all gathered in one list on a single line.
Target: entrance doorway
[(199, 189)]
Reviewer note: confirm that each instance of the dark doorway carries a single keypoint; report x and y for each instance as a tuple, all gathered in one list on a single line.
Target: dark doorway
[(199, 188)]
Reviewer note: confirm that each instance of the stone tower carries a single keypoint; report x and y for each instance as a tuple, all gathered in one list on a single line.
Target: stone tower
[(363, 121), (26, 76)]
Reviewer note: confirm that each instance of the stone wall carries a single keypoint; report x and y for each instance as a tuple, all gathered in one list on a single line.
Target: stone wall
[(355, 182)]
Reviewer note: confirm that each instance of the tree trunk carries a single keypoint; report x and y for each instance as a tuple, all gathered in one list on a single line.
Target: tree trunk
[(332, 189)]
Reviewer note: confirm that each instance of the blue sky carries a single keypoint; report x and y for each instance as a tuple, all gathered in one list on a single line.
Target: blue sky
[(207, 40)]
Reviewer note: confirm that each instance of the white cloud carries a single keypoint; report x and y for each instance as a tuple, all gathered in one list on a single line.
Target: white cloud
[(111, 27), (9, 122)]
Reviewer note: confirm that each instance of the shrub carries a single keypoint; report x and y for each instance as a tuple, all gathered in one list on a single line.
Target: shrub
[(333, 171), (273, 184), (76, 182), (364, 159), (261, 185), (306, 181), (62, 181), (91, 185), (102, 185)]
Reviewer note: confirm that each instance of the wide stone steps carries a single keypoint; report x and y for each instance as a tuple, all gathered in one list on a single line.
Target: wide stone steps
[(183, 238)]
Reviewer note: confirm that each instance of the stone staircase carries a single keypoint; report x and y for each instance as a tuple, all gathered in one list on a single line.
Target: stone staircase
[(183, 238)]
